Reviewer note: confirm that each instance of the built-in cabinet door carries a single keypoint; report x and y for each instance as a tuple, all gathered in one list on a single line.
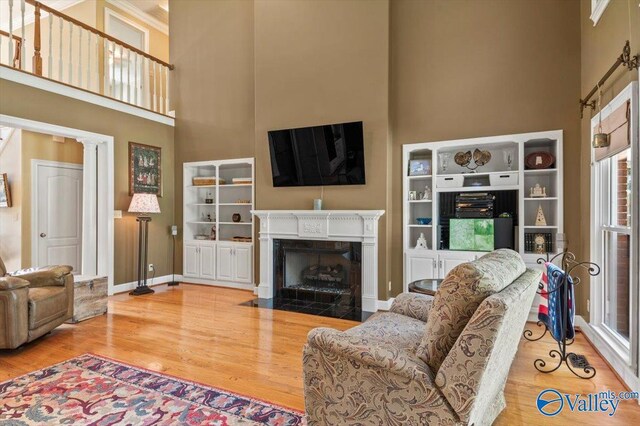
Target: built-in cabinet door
[(225, 262), (208, 262), (242, 260), (448, 261), (191, 260), (420, 268)]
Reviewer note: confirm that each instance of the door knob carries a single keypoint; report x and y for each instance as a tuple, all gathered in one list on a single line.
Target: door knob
[(42, 235)]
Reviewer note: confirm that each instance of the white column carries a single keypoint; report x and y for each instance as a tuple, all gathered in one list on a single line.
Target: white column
[(90, 207), (265, 287)]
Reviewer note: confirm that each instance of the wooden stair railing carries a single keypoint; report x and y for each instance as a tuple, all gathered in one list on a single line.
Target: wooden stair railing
[(89, 59)]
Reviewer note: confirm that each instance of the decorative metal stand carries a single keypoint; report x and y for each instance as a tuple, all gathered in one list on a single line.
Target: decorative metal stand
[(568, 264)]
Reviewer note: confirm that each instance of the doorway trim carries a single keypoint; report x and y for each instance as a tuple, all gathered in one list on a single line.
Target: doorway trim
[(102, 167), (35, 164)]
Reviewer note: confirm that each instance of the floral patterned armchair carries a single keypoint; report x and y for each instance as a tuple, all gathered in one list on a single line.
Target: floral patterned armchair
[(440, 360)]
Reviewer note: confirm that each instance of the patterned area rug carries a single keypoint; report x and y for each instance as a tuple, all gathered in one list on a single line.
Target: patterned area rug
[(94, 390)]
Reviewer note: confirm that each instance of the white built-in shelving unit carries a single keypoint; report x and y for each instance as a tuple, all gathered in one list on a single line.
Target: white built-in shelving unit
[(436, 262), (221, 261)]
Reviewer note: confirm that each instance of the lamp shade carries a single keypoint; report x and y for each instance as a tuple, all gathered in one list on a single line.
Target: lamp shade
[(144, 203)]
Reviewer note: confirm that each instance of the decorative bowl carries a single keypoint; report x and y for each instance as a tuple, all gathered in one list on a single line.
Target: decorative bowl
[(423, 220), (539, 160)]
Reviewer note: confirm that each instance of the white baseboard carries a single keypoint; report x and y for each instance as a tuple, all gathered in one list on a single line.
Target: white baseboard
[(122, 288), (240, 286), (125, 287)]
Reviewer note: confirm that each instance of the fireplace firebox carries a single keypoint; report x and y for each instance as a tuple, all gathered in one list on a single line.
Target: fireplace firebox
[(318, 277)]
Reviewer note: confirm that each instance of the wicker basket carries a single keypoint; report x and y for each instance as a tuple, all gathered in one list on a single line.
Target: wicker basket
[(205, 180)]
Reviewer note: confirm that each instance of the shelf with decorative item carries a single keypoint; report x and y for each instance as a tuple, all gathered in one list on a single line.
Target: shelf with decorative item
[(541, 198), (235, 223), (421, 201), (201, 222), (236, 204), (236, 185), (540, 172)]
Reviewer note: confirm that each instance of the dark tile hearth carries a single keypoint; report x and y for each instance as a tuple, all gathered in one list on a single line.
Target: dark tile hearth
[(312, 308)]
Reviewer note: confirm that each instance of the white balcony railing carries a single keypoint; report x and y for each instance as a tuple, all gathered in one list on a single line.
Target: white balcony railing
[(63, 49)]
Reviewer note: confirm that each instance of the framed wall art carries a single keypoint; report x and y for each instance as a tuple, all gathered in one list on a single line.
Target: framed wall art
[(5, 192), (145, 171)]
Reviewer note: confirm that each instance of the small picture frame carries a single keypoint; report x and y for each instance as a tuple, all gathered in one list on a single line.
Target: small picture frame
[(419, 167), (413, 195), (5, 192)]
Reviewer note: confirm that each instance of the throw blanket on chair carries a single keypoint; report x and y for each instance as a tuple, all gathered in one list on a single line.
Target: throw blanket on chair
[(551, 309)]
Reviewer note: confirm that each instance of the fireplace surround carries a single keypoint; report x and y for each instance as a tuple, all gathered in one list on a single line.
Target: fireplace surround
[(334, 227)]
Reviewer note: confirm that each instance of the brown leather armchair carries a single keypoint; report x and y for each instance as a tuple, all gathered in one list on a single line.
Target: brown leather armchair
[(33, 302)]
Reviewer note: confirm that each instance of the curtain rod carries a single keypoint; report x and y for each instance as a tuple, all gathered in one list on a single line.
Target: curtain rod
[(631, 62)]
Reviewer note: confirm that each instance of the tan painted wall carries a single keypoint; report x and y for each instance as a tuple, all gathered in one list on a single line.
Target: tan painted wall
[(439, 69), (11, 218), (26, 102), (214, 108), (38, 146), (318, 63), (464, 69), (601, 45)]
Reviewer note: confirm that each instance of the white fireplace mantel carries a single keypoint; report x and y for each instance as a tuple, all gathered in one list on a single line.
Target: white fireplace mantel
[(328, 225)]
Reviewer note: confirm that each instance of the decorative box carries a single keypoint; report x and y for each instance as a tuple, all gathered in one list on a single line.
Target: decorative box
[(503, 179), (89, 298), (452, 181)]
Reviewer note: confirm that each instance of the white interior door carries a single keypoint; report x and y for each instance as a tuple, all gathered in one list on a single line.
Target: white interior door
[(57, 209)]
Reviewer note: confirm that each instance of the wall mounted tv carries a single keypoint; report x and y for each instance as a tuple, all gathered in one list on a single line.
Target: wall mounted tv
[(332, 154)]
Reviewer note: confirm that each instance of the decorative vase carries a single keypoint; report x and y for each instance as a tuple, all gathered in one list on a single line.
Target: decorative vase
[(236, 217)]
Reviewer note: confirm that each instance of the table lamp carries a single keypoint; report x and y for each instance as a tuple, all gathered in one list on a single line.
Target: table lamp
[(143, 204)]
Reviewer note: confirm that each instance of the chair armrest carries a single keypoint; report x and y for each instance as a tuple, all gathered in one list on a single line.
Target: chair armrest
[(45, 276), (370, 352), (12, 283), (413, 305)]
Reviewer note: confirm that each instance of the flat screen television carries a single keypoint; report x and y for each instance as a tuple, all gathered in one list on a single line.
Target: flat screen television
[(332, 154)]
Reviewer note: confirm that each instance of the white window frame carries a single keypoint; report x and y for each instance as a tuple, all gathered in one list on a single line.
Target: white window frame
[(597, 9), (626, 352)]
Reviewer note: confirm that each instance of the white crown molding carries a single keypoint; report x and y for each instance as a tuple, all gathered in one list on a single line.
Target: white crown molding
[(597, 9), (143, 16), (27, 79)]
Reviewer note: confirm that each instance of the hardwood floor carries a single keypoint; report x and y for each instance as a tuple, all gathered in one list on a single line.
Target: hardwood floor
[(205, 334)]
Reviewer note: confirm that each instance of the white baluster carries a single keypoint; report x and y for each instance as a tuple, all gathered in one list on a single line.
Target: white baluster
[(128, 75), (88, 60), (23, 50), (161, 89), (155, 87), (166, 90), (50, 57), (11, 32), (79, 56), (135, 80), (105, 62), (113, 70), (70, 53), (97, 63), (60, 50)]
